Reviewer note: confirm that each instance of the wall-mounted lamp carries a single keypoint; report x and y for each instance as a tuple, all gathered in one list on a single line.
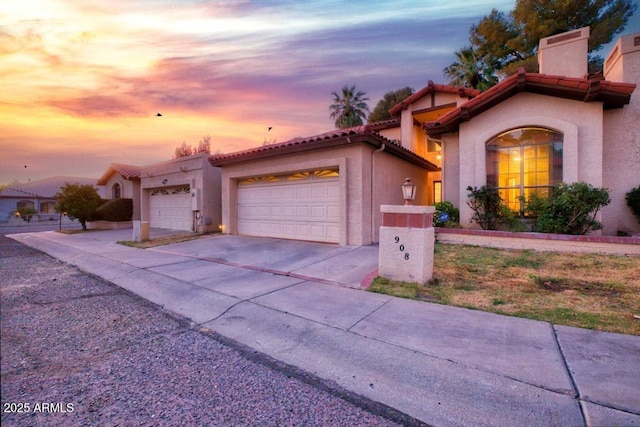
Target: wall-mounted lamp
[(408, 191)]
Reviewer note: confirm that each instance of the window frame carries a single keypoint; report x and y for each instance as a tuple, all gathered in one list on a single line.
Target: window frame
[(516, 144)]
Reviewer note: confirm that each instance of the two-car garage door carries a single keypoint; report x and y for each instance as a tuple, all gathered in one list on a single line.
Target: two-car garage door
[(301, 206)]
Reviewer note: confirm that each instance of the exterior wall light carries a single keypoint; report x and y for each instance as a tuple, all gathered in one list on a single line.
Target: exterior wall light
[(408, 191)]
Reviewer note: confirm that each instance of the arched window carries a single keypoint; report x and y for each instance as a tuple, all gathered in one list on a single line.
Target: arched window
[(116, 191), (524, 161)]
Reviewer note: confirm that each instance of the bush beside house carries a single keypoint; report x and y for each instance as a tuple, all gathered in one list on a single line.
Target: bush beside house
[(115, 210), (452, 217), (113, 214), (26, 213), (633, 201), (569, 209)]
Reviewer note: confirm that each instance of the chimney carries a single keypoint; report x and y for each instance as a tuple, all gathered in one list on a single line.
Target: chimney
[(623, 62), (565, 54)]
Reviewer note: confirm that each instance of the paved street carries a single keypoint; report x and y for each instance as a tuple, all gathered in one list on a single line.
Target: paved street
[(77, 350)]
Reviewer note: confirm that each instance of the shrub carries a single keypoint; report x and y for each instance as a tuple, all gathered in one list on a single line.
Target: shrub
[(633, 201), (449, 209), (116, 210), (570, 209), (486, 204), (509, 220), (26, 213)]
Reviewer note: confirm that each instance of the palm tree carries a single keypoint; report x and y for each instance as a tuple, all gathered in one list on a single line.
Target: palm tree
[(350, 108), (470, 71)]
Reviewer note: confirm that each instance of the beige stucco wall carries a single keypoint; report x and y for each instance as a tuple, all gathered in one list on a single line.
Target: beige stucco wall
[(580, 123), (389, 173), (621, 162), (360, 195), (195, 171), (565, 54), (622, 63), (392, 134), (130, 189), (451, 169), (413, 137)]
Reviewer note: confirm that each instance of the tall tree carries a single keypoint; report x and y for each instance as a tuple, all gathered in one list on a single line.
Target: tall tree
[(390, 99), (470, 70), (495, 41), (349, 108), (506, 42)]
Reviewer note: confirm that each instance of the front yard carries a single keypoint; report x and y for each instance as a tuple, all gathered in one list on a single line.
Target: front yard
[(591, 291)]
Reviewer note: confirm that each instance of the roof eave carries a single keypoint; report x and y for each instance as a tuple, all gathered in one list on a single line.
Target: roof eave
[(329, 142), (612, 95)]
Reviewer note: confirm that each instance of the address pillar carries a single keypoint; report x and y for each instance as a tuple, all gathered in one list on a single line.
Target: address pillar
[(407, 240)]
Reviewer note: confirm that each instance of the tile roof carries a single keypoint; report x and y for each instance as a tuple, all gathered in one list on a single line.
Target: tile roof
[(384, 124), (611, 94), (126, 171), (44, 188), (337, 137), (463, 92)]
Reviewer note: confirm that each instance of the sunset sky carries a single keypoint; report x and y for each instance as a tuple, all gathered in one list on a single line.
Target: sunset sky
[(81, 82)]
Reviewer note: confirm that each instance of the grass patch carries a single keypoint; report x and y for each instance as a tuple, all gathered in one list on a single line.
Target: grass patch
[(591, 291), (161, 241), (587, 287)]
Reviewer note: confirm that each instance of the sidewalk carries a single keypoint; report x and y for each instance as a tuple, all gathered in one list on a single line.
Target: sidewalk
[(300, 303)]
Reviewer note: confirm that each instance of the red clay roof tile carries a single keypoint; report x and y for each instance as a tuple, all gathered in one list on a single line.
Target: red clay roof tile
[(433, 87), (611, 94), (127, 171), (365, 133)]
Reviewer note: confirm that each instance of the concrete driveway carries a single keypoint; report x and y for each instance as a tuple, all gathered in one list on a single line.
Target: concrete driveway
[(343, 265)]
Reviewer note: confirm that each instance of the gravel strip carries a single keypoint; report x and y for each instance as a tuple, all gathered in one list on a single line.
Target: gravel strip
[(78, 350)]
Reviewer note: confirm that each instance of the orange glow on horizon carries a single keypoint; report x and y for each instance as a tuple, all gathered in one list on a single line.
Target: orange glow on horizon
[(82, 81)]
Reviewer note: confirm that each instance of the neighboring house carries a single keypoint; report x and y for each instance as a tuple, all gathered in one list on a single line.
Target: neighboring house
[(325, 188), (37, 195), (123, 181), (534, 130), (181, 194)]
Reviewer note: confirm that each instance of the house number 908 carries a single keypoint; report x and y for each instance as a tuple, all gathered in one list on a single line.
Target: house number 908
[(401, 247)]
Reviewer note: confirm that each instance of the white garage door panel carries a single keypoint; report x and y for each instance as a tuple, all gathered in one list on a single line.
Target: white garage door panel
[(305, 210), (170, 211)]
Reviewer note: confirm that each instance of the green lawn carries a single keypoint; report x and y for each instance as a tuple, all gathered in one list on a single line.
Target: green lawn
[(592, 291)]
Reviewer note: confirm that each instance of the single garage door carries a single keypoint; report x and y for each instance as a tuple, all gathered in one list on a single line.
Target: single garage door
[(301, 206), (171, 208)]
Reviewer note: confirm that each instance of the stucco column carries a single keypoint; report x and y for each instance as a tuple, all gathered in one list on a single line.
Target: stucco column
[(143, 232), (407, 240)]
